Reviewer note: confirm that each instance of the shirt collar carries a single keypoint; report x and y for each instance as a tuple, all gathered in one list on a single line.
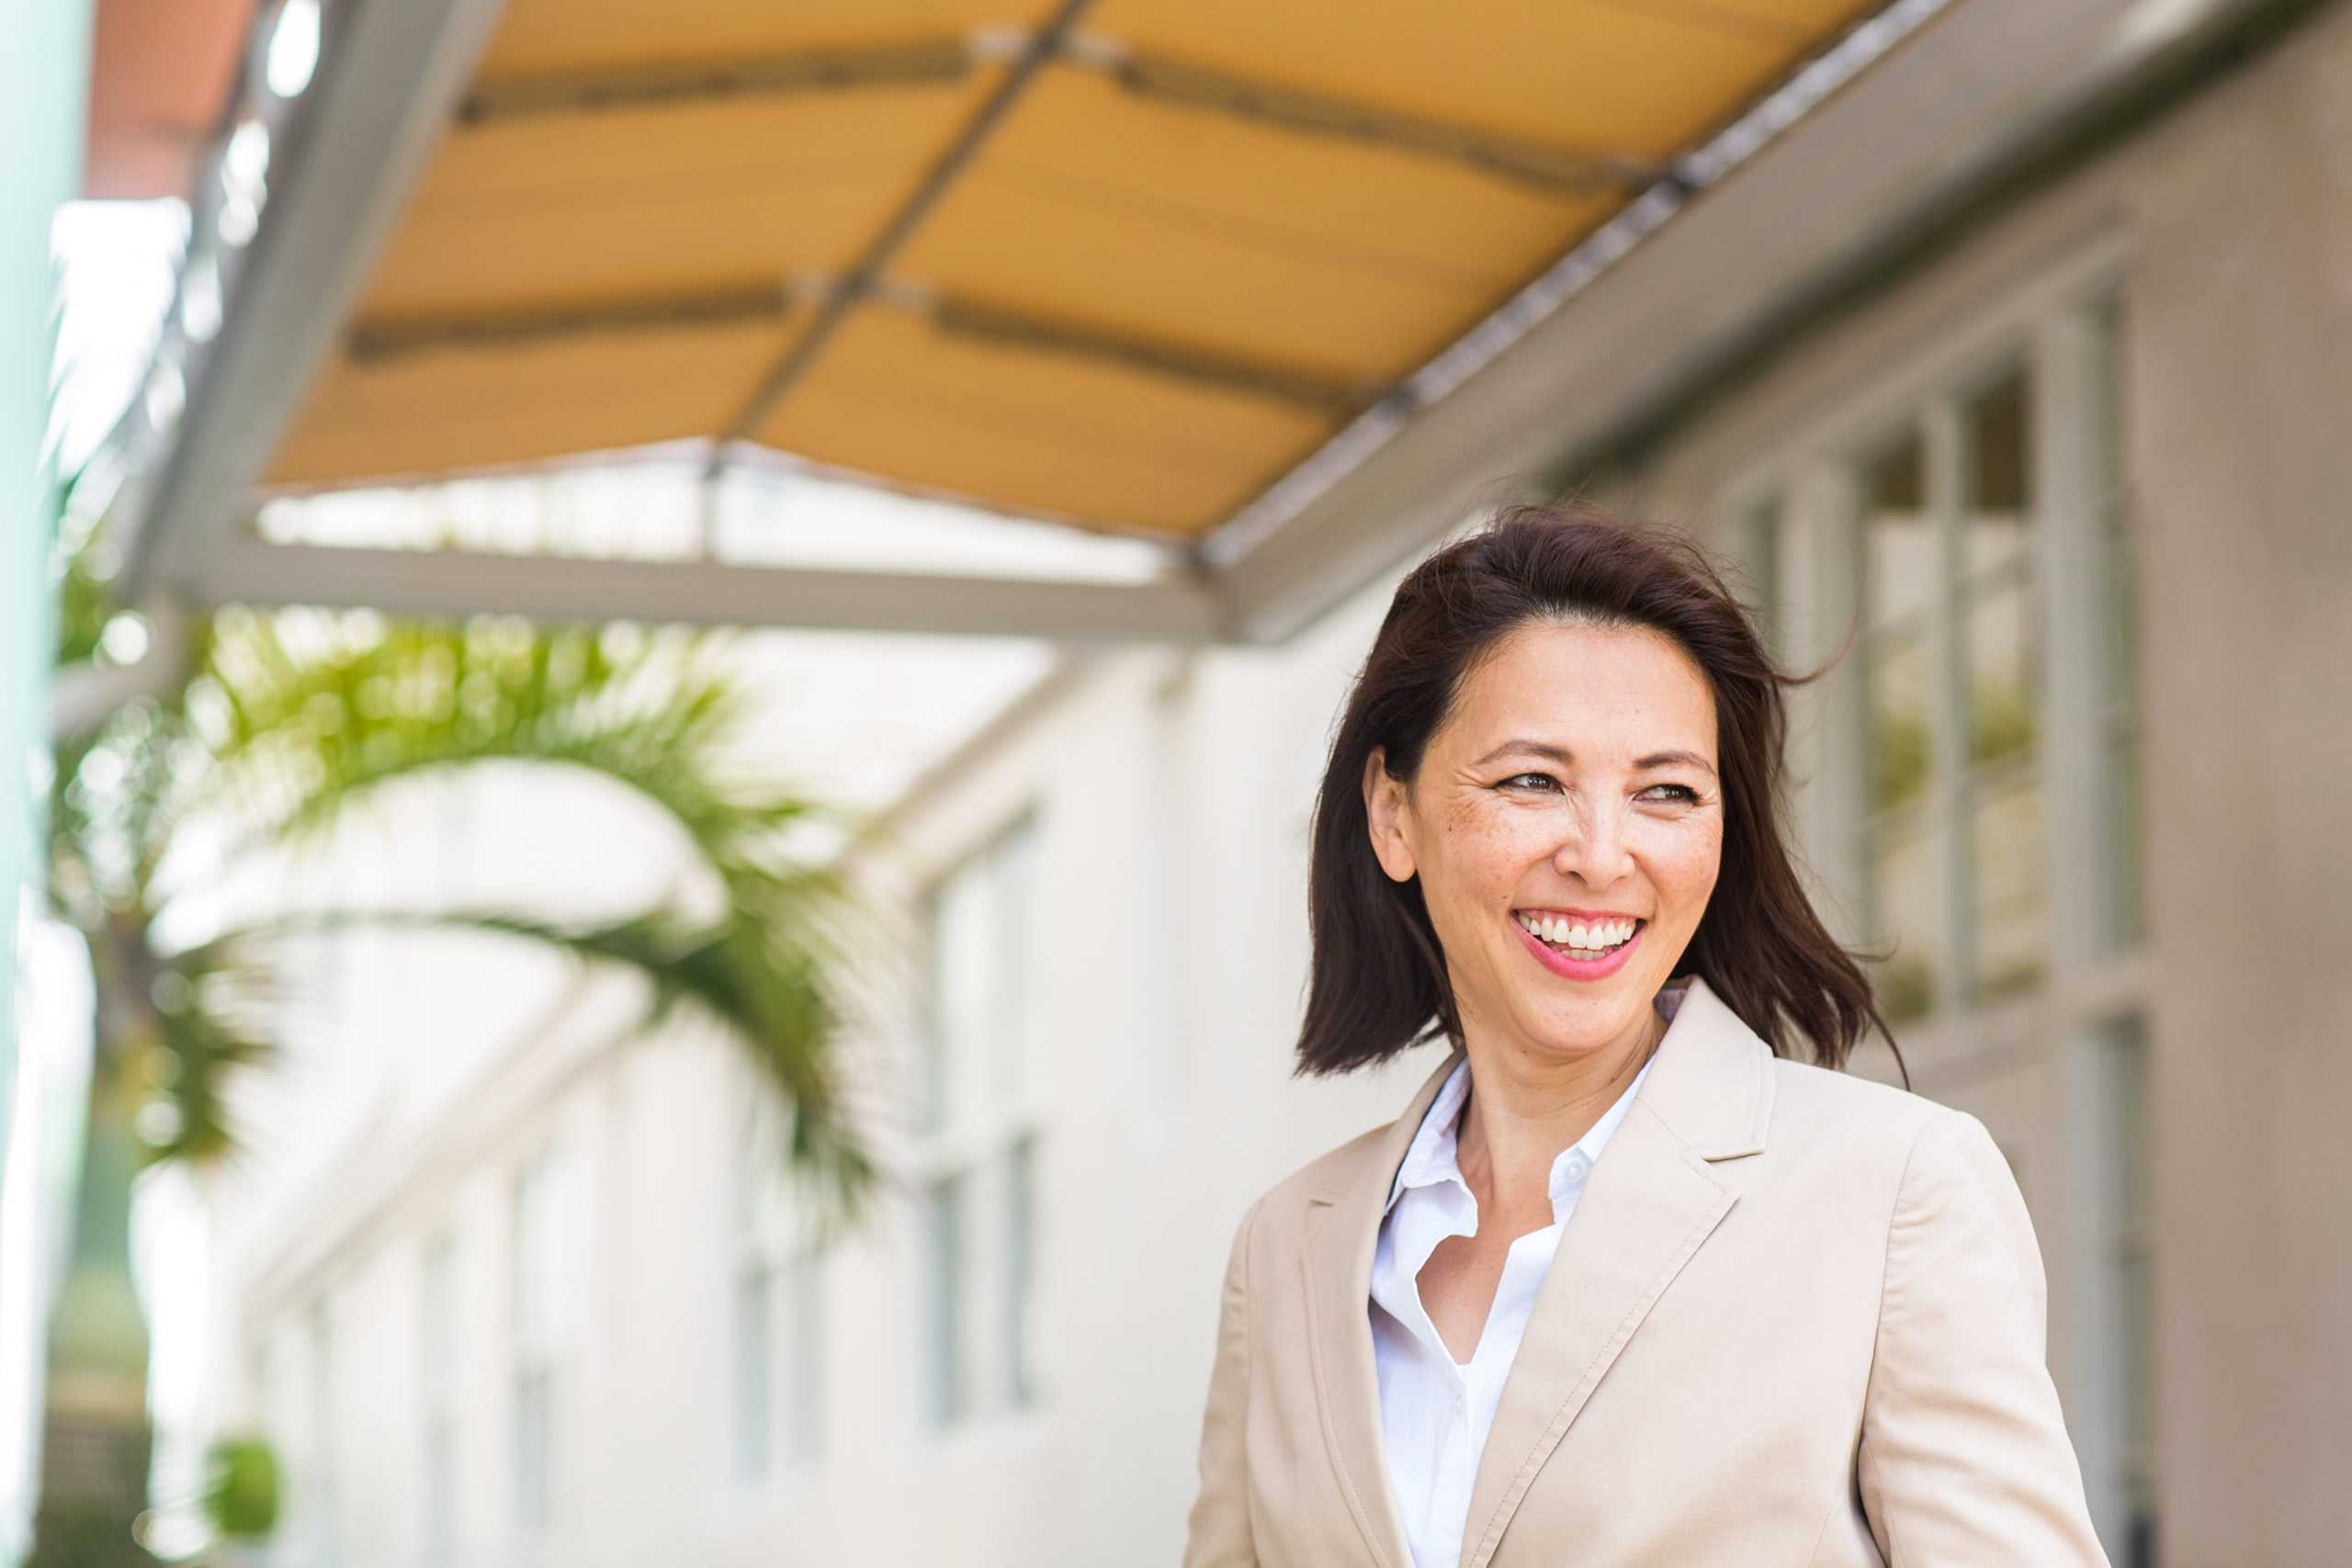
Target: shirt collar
[(1432, 1160)]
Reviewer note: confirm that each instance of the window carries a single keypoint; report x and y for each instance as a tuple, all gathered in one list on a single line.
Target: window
[(549, 1282), (1758, 552), (979, 1217), (1898, 567), (282, 1425), (326, 1435), (1973, 784), (2129, 1379), (1951, 661), (437, 1392), (2120, 924), (776, 1313)]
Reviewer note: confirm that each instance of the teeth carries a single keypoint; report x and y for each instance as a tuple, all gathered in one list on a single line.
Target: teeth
[(1598, 937)]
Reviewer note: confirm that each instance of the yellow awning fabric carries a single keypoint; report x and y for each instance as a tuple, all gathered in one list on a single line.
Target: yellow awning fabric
[(1126, 284)]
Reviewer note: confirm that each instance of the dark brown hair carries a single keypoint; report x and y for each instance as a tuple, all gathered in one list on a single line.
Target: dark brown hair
[(1378, 983)]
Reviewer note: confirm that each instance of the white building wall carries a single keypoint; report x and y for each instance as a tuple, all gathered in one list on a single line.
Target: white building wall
[(1171, 793)]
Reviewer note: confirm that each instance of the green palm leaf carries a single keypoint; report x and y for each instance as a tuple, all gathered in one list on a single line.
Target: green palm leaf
[(772, 996), (291, 724)]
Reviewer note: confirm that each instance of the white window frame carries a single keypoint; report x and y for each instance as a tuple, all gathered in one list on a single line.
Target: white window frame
[(440, 1414), (2060, 323), (988, 1138), (549, 1278), (774, 1411), (324, 1419)]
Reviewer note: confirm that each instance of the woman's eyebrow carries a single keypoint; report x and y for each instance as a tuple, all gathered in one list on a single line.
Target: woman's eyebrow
[(1561, 755)]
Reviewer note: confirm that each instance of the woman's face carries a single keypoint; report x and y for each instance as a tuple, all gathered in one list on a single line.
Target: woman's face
[(1574, 784)]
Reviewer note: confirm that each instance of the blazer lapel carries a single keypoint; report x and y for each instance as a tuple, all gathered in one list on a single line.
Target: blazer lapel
[(1651, 1203), (1343, 1232)]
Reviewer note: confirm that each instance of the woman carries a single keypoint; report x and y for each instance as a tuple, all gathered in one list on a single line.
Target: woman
[(1624, 1284)]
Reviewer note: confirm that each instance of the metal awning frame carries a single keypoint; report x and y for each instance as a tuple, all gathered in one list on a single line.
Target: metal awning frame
[(1683, 277)]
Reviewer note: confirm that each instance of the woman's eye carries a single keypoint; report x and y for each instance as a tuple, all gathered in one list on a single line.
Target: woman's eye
[(1682, 793)]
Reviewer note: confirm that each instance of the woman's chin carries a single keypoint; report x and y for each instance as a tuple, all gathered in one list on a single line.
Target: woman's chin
[(1594, 1025)]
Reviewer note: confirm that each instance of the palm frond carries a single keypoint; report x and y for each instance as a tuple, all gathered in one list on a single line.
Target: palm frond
[(213, 1017), (299, 734), (763, 981), (291, 721)]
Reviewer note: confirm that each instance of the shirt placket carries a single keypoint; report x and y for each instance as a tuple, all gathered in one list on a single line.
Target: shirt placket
[(1455, 1470), (1450, 1493)]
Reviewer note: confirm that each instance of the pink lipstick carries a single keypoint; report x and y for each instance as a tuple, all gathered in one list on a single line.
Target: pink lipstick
[(1559, 963)]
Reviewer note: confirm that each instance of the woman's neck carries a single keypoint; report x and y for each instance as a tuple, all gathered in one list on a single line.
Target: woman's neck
[(1525, 1110)]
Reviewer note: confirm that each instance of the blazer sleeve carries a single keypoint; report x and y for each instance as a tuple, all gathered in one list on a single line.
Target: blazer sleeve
[(1218, 1534), (1964, 1457)]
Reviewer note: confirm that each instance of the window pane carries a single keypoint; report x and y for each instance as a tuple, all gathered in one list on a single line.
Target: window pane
[(441, 1490), (964, 990), (754, 1374), (326, 1425), (2127, 1043), (550, 1286), (950, 1367), (2124, 926), (1900, 672), (437, 1385), (2126, 921), (929, 1092), (2126, 1079), (1012, 860), (534, 1240), (2008, 849), (2011, 890), (1899, 597), (805, 1352), (2001, 651), (1999, 472), (753, 1169), (440, 1349), (2003, 641), (1898, 600), (1907, 913), (534, 1436), (1021, 1245)]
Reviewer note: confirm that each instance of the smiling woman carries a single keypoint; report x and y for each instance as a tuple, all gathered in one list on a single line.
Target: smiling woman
[(1640, 1274), (1564, 684)]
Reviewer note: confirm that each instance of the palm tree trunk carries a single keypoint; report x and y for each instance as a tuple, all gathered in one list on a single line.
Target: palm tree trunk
[(96, 1435)]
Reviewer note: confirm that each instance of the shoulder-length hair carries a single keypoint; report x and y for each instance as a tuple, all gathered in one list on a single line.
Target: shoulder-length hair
[(1378, 983)]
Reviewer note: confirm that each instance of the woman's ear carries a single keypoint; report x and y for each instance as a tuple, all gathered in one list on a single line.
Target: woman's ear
[(1386, 810)]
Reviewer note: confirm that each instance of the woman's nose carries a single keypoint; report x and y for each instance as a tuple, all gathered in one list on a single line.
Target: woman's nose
[(1594, 846)]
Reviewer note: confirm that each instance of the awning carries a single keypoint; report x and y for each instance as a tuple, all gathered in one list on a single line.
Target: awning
[(159, 70), (1284, 287), (1121, 264)]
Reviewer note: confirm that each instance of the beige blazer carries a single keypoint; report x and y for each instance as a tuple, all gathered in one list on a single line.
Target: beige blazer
[(1797, 1318)]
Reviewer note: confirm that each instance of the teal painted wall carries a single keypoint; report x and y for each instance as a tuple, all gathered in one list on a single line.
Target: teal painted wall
[(44, 77)]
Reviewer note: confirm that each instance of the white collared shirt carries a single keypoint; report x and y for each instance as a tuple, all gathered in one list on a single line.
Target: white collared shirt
[(1435, 1412)]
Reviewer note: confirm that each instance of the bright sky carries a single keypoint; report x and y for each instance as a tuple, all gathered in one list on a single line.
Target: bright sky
[(115, 261)]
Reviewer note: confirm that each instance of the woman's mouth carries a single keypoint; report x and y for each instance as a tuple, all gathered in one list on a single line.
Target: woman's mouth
[(1580, 950)]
